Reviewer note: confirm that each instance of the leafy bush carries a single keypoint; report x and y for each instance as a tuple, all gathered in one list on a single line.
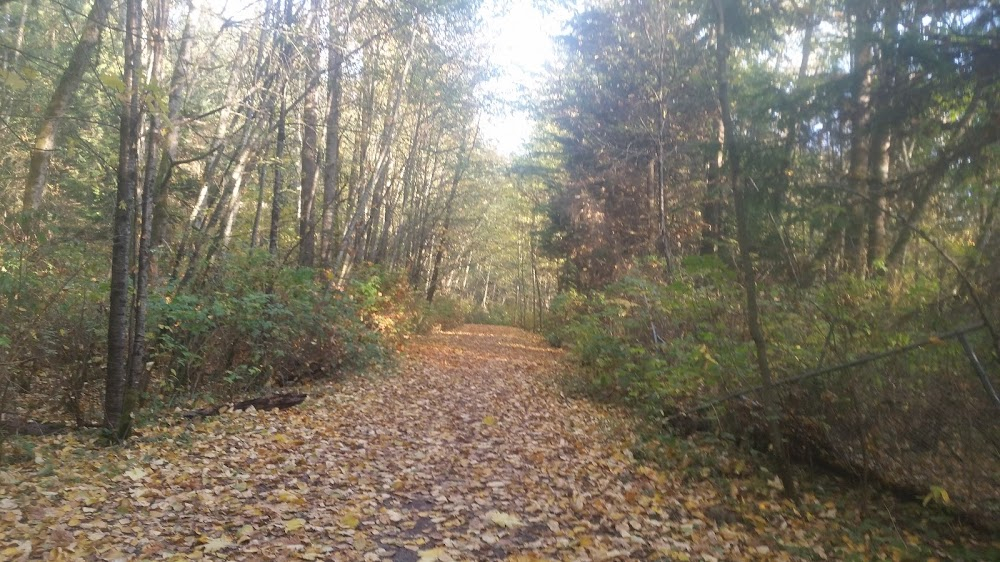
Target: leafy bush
[(276, 328), (445, 312), (665, 346), (252, 324), (52, 332)]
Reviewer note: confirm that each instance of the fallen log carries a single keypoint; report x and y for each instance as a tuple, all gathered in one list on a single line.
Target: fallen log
[(272, 402), (18, 426)]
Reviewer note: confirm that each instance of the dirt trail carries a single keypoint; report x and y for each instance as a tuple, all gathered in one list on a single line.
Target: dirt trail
[(470, 453)]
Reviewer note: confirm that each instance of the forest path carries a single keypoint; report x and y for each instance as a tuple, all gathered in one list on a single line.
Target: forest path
[(469, 453)]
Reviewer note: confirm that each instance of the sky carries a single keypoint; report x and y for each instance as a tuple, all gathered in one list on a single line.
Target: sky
[(522, 40)]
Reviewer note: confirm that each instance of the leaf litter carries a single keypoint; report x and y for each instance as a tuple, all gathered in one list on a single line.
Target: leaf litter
[(469, 453)]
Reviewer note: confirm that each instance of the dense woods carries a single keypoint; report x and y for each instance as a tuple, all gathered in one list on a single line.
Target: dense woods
[(773, 222), (742, 192), (203, 201)]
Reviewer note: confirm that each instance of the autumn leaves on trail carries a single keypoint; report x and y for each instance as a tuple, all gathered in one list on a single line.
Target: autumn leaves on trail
[(469, 453)]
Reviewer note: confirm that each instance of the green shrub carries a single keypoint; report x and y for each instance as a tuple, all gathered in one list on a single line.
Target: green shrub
[(665, 346), (445, 312), (275, 325)]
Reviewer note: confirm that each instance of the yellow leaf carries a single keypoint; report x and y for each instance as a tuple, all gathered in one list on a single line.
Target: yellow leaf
[(505, 520), (136, 474), (350, 521), (294, 524), (937, 494), (244, 533), (432, 555), (215, 545), (288, 497), (489, 420)]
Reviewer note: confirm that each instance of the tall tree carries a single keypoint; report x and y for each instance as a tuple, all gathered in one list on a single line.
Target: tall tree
[(178, 90), (731, 149), (309, 153), (66, 87), (120, 394)]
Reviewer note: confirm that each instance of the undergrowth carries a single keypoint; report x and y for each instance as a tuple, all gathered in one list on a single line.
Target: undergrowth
[(248, 326), (918, 422)]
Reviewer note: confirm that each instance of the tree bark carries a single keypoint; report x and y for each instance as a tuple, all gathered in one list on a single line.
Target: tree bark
[(355, 227), (278, 185), (116, 404), (330, 234), (711, 210), (279, 141), (309, 150), (745, 261), (219, 139), (464, 158), (261, 183), (137, 356), (857, 175), (69, 82), (179, 82)]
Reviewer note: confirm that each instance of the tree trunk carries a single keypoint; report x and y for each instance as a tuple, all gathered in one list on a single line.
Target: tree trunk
[(137, 357), (330, 234), (279, 142), (745, 260), (408, 189), (877, 182), (219, 139), (278, 185), (261, 182), (175, 103), (857, 175), (711, 210), (69, 82), (968, 144), (663, 239), (464, 158), (382, 161), (234, 197), (248, 143), (309, 150), (116, 404)]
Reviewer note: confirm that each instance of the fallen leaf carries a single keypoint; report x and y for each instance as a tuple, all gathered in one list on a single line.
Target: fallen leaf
[(244, 533), (349, 521), (217, 544), (432, 555), (504, 520), (136, 474)]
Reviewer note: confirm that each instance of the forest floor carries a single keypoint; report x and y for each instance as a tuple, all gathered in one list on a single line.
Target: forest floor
[(469, 452)]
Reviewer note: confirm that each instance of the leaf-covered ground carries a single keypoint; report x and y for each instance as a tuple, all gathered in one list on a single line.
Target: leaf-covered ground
[(469, 453)]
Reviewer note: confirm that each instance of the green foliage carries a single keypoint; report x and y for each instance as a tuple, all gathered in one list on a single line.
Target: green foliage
[(665, 346), (51, 301), (649, 342), (266, 325), (251, 326), (446, 312)]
